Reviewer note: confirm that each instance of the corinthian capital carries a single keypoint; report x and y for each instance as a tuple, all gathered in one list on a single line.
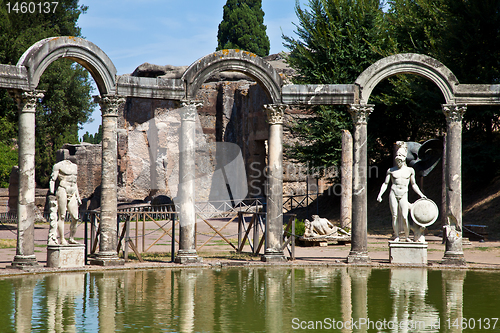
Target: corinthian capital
[(109, 104), (26, 100), (454, 112), (190, 110), (360, 112), (275, 113)]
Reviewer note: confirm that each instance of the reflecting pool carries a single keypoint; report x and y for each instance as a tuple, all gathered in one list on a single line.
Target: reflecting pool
[(353, 299)]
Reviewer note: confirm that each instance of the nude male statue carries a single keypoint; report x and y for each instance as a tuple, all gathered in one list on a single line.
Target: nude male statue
[(401, 176), (63, 183)]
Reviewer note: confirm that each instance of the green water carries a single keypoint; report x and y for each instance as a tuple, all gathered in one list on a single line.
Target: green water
[(253, 300)]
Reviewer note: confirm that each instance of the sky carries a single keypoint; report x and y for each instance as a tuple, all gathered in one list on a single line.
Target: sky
[(168, 32)]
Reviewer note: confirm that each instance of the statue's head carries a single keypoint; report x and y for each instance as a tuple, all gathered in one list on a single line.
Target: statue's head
[(401, 153)]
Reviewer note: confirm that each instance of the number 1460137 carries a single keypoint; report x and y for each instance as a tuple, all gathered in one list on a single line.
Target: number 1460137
[(32, 7), (472, 323)]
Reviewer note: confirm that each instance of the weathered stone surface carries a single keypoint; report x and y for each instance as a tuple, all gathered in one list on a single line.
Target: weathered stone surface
[(66, 256), (408, 253), (45, 51), (233, 60), (410, 63)]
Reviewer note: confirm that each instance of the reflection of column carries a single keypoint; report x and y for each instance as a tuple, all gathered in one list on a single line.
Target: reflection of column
[(186, 288), (359, 242), (107, 254), (359, 287), (187, 176), (61, 293), (23, 293), (107, 285), (274, 300), (453, 229), (25, 251), (453, 298), (345, 297), (274, 217)]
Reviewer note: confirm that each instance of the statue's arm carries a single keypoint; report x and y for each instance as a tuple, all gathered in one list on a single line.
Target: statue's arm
[(53, 178), (414, 184), (384, 186)]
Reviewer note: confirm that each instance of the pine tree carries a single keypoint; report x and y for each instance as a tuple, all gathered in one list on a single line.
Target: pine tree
[(242, 27)]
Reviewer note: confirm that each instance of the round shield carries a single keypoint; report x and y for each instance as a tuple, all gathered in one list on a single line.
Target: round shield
[(424, 212)]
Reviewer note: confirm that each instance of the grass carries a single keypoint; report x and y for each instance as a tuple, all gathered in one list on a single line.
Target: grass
[(8, 243)]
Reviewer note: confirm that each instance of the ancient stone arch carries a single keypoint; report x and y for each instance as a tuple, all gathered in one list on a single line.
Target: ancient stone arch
[(31, 66), (435, 71), (236, 61), (41, 54), (410, 63)]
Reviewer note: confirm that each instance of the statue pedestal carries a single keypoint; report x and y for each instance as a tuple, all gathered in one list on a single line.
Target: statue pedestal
[(66, 256), (408, 253)]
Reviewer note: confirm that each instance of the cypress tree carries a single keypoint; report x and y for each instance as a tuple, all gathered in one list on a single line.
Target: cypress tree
[(242, 27)]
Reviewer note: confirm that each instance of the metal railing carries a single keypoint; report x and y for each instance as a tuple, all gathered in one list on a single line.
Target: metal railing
[(255, 232)]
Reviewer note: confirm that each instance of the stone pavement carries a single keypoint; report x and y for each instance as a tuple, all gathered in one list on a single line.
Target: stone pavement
[(485, 255)]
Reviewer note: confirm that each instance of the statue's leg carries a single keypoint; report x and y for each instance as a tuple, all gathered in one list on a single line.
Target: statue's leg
[(62, 202), (403, 204), (73, 212), (393, 204)]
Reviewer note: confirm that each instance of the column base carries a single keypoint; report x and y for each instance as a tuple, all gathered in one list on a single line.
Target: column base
[(24, 262), (273, 256), (106, 259), (454, 258), (358, 257), (187, 257)]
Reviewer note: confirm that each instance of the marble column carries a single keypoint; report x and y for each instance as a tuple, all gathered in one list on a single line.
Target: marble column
[(359, 232), (25, 250), (187, 177), (453, 229), (107, 255), (274, 216)]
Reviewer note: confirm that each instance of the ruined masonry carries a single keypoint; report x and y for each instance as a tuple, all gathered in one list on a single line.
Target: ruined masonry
[(129, 102)]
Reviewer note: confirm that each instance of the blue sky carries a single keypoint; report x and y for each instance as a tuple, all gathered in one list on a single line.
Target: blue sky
[(168, 32)]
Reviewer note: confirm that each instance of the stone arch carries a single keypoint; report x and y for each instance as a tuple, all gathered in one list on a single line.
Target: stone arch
[(41, 54), (411, 63), (236, 61)]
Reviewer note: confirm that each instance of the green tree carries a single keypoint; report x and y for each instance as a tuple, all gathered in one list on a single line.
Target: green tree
[(465, 37), (91, 138), (67, 102), (242, 27), (336, 40)]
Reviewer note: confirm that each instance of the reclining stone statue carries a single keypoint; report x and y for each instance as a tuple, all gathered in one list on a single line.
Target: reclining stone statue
[(321, 227)]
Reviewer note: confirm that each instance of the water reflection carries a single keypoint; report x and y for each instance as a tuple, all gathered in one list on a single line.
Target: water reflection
[(348, 299)]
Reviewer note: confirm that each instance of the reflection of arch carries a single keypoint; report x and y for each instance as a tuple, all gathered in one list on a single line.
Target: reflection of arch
[(411, 63), (43, 53), (236, 61)]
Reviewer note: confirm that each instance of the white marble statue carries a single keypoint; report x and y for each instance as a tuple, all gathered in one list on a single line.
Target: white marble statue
[(401, 176), (63, 183), (319, 227)]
